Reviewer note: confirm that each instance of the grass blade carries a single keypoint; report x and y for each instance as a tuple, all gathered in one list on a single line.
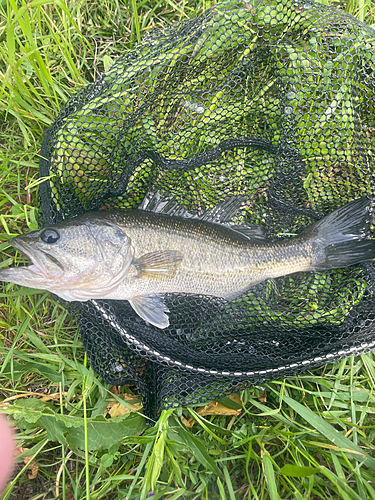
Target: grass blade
[(229, 483), (330, 432), (269, 474)]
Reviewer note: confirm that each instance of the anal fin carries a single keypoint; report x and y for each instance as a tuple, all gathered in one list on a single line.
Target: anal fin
[(152, 309)]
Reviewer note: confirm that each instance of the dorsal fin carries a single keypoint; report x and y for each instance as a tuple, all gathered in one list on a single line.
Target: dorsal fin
[(163, 204), (222, 213), (251, 231)]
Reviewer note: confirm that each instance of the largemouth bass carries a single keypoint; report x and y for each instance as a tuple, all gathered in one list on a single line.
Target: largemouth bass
[(138, 255)]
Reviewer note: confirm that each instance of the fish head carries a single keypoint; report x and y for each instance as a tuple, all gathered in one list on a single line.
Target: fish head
[(75, 259)]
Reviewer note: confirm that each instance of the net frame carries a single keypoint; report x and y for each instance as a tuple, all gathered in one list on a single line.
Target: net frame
[(271, 101)]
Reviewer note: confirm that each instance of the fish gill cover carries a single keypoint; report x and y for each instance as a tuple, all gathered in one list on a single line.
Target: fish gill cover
[(269, 101)]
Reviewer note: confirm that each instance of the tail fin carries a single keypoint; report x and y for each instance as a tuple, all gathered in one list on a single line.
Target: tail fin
[(342, 236)]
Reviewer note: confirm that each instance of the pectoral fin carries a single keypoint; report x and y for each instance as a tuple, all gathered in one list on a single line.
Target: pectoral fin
[(158, 265), (152, 309)]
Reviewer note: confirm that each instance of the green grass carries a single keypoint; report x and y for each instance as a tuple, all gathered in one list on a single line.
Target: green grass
[(307, 437)]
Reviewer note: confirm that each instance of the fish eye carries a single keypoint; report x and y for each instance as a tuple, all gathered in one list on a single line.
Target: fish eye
[(49, 235)]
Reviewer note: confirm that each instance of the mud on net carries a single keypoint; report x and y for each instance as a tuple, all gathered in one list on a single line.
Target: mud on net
[(270, 101)]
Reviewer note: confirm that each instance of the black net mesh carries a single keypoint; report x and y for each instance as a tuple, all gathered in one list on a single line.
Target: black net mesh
[(271, 101)]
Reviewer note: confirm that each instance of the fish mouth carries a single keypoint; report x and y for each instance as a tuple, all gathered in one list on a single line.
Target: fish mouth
[(40, 260)]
